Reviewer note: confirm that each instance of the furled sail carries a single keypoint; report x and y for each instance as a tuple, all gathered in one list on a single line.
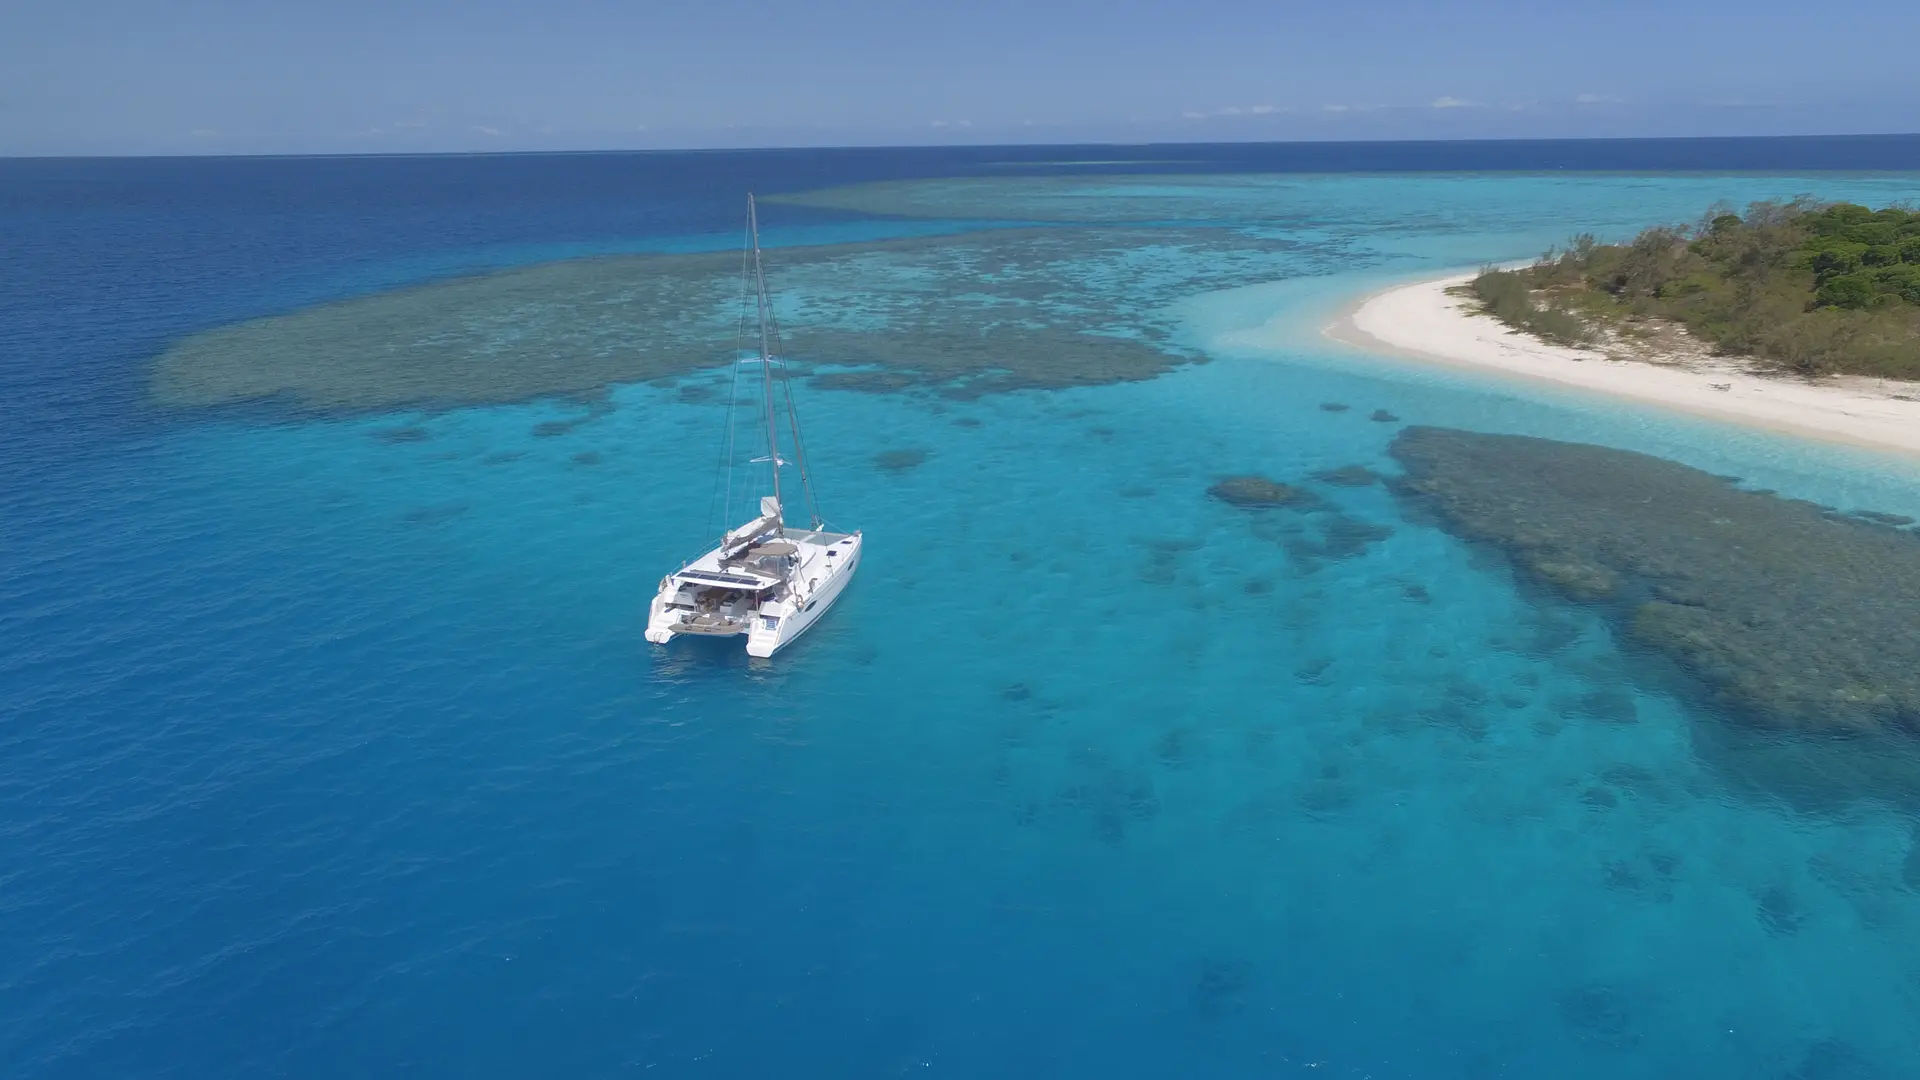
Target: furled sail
[(738, 540)]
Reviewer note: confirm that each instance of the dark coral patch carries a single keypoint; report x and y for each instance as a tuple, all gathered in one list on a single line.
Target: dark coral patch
[(901, 460), (1348, 476), (1260, 493), (434, 515), (1779, 912), (401, 434), (1878, 518)]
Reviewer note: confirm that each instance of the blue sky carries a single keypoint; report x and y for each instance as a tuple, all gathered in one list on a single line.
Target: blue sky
[(268, 76)]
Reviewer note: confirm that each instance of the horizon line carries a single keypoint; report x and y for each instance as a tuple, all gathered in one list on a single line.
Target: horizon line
[(1090, 144)]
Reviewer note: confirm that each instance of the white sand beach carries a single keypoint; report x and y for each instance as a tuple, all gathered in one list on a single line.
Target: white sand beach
[(1422, 321)]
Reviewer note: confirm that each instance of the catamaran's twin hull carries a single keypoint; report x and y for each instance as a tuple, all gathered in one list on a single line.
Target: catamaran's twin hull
[(765, 581), (718, 601)]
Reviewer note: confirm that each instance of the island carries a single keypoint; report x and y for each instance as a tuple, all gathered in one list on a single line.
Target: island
[(1799, 316), (1811, 289)]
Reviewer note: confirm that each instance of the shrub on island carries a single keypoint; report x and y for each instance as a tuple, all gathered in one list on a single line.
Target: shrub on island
[(1814, 288)]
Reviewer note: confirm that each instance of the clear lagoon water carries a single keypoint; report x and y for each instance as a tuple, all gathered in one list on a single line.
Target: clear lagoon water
[(328, 751)]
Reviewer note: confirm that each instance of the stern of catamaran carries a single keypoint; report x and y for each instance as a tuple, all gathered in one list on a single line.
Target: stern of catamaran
[(721, 593), (704, 604), (769, 588)]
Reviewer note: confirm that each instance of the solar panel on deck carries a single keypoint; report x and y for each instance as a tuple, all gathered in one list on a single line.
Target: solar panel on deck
[(726, 579)]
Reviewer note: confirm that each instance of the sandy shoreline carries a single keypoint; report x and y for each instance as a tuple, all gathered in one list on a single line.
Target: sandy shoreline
[(1420, 321)]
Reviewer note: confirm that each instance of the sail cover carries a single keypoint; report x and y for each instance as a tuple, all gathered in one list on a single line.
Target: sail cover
[(738, 540)]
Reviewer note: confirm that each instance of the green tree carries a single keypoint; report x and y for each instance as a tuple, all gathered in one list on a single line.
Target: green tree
[(1851, 291)]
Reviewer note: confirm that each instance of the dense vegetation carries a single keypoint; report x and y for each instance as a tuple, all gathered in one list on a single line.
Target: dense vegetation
[(1816, 288)]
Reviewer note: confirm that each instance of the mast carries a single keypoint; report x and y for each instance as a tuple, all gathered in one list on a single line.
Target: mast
[(769, 358), (766, 348)]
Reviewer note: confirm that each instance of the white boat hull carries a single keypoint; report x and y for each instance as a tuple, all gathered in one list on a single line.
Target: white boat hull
[(697, 600), (805, 611), (765, 581)]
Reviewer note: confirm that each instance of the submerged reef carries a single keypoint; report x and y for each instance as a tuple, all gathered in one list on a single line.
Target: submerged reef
[(901, 460), (1785, 615), (1319, 532), (559, 328), (962, 315), (1348, 476), (1260, 493)]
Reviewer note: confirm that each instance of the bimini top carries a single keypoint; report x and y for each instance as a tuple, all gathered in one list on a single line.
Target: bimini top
[(727, 579)]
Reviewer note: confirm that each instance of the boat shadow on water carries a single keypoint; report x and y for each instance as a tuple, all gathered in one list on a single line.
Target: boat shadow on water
[(696, 658), (693, 659)]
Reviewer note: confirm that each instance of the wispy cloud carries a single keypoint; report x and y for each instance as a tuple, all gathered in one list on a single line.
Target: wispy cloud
[(956, 123), (489, 132), (1452, 103), (1598, 99), (398, 127), (1236, 110)]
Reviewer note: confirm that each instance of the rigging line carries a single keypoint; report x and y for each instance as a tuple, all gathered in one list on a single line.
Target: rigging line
[(793, 423), (725, 472), (766, 349), (733, 385)]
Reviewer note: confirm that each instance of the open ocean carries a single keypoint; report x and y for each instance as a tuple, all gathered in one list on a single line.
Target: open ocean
[(329, 745)]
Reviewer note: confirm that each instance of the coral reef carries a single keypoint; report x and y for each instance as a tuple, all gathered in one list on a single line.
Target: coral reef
[(1785, 615), (1878, 518), (1260, 493), (401, 435), (1331, 534), (1062, 307), (1348, 476), (901, 460)]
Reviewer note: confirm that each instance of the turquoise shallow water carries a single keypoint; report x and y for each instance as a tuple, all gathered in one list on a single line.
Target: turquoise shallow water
[(368, 770), (1053, 718)]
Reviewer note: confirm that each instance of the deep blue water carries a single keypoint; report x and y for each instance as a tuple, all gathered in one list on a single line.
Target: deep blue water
[(324, 755)]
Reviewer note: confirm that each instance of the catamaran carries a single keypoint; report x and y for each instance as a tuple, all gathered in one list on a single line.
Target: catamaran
[(767, 580)]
